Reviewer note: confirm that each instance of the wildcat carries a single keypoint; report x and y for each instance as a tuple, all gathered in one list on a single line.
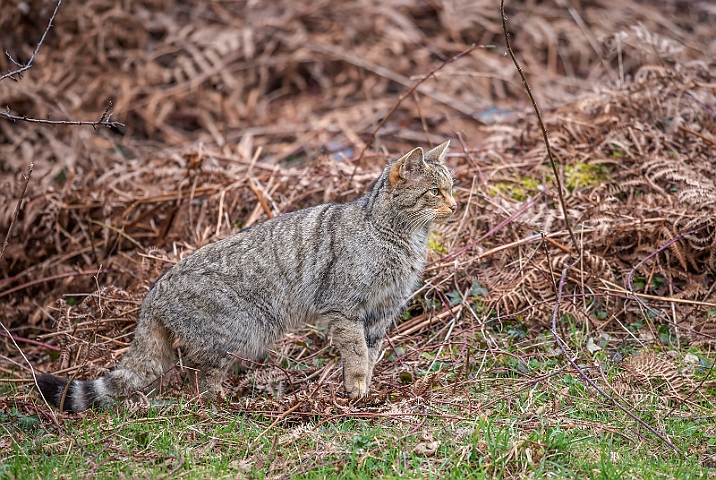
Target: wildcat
[(349, 266)]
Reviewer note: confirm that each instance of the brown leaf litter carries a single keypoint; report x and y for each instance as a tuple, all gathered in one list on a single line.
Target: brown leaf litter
[(238, 112)]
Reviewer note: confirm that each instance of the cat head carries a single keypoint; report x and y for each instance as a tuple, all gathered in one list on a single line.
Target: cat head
[(421, 186)]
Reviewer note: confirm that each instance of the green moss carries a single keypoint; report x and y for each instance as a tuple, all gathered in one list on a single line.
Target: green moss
[(512, 190), (580, 175), (435, 244)]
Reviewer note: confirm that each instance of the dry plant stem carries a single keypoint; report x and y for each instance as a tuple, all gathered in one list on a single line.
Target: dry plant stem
[(51, 278), (30, 342), (552, 161), (17, 210), (580, 371), (28, 65), (101, 122), (408, 94)]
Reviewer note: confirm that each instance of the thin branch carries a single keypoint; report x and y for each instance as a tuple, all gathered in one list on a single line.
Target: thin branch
[(17, 210), (30, 341), (409, 93), (28, 65), (50, 279), (580, 371), (552, 161), (104, 121)]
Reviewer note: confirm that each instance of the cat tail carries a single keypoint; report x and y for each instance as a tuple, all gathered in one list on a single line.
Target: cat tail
[(149, 357)]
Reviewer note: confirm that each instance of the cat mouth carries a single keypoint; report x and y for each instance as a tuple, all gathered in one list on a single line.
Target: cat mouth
[(441, 216)]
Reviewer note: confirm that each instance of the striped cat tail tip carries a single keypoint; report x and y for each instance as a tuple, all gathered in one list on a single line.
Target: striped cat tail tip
[(79, 396), (52, 388)]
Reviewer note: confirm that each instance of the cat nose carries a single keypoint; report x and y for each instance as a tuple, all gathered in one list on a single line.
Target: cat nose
[(453, 207)]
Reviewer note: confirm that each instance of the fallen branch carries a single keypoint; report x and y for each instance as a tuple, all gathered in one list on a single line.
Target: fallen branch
[(30, 341)]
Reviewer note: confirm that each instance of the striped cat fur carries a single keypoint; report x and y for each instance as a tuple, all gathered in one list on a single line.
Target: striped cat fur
[(350, 267)]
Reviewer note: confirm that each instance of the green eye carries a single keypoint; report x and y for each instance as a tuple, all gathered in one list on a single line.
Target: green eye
[(435, 191)]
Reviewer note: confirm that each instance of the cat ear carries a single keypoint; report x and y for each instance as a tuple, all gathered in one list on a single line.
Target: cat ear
[(437, 154), (410, 164)]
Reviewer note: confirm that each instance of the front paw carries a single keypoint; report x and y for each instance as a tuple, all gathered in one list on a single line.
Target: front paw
[(356, 385)]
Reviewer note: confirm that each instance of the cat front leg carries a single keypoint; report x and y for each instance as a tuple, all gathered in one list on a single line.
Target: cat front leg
[(348, 336)]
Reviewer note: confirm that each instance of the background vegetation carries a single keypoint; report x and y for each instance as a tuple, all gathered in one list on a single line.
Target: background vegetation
[(519, 356)]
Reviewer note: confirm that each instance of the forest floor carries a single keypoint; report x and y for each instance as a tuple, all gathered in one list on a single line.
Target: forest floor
[(529, 350)]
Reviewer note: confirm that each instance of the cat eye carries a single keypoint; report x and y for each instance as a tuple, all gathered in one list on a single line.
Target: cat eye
[(435, 191)]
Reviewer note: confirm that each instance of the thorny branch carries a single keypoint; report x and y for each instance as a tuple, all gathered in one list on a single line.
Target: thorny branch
[(28, 65), (552, 161)]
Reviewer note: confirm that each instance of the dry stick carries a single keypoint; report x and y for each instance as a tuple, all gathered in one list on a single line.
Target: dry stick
[(28, 65), (30, 342), (51, 278), (17, 210), (408, 94), (552, 161), (580, 371), (103, 121), (700, 135)]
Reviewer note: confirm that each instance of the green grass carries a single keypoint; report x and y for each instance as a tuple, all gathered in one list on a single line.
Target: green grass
[(509, 419)]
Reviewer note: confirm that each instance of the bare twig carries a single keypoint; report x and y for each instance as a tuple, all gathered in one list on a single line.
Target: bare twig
[(409, 93), (552, 160), (17, 210), (580, 371), (104, 121), (28, 65), (30, 342), (50, 279)]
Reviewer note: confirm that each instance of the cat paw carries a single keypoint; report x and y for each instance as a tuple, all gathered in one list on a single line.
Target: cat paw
[(356, 387)]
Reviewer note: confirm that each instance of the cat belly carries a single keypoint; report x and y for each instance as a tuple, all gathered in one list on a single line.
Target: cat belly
[(212, 317)]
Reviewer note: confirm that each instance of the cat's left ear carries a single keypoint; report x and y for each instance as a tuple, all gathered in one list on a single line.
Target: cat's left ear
[(437, 154)]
